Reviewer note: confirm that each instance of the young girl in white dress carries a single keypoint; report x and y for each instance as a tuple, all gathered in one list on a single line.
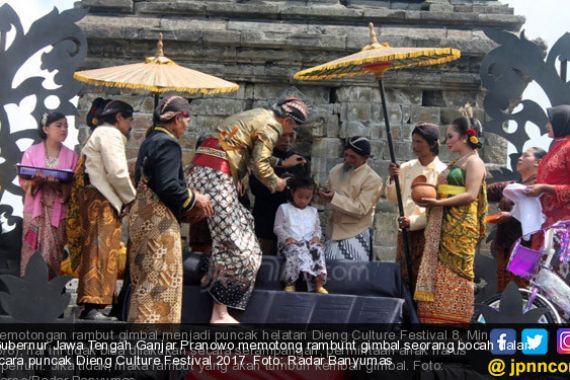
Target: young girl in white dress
[(298, 231)]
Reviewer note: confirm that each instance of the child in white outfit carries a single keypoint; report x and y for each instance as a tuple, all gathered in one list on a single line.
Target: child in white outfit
[(298, 231)]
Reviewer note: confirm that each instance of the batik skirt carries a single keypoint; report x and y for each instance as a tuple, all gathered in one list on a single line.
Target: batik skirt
[(416, 245), (235, 256), (155, 261), (99, 268), (305, 258), (354, 249), (40, 235)]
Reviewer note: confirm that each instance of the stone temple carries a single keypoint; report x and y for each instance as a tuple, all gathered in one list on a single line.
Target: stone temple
[(260, 44)]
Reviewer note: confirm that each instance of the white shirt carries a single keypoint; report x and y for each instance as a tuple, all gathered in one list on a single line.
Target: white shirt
[(106, 164), (408, 171), (296, 223), (356, 194)]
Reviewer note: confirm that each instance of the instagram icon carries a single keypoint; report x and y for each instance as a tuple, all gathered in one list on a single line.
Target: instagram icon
[(563, 341)]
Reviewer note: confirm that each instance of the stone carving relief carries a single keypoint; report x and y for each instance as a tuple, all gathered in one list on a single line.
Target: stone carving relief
[(68, 50), (505, 73)]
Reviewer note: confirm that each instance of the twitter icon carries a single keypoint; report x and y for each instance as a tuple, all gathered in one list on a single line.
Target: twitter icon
[(534, 341)]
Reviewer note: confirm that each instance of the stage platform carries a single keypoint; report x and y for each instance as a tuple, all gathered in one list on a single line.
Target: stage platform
[(360, 292)]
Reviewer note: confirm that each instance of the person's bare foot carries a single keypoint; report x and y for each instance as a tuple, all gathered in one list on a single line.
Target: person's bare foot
[(220, 315), (223, 320)]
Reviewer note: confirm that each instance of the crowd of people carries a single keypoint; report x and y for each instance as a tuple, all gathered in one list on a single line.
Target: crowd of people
[(252, 153)]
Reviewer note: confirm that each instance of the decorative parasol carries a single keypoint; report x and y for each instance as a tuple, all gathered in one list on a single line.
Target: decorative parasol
[(157, 74), (376, 59)]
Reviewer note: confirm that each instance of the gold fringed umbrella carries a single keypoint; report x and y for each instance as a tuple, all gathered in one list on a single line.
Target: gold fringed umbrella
[(157, 74), (376, 59)]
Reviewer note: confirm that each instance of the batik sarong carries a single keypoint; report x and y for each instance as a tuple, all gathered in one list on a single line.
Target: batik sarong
[(502, 257), (99, 266), (236, 255), (354, 249), (444, 290), (416, 245), (74, 229), (155, 260), (304, 258), (40, 235)]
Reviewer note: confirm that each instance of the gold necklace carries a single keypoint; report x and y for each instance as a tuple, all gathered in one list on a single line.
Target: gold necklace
[(456, 162), (48, 153)]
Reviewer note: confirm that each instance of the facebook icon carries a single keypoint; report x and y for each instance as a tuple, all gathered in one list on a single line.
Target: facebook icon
[(503, 341)]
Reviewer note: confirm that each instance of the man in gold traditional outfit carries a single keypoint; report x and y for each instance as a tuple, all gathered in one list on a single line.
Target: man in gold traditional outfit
[(243, 142)]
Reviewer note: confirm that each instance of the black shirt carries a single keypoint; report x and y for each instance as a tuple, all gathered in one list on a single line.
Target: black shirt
[(266, 203), (160, 157)]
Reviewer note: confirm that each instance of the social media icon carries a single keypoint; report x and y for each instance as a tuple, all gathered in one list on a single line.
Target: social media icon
[(504, 341), (534, 341), (563, 341)]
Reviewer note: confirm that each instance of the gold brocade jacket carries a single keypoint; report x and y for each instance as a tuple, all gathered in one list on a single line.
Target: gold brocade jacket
[(248, 139)]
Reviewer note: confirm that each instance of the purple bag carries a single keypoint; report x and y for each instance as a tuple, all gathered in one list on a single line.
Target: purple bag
[(523, 261)]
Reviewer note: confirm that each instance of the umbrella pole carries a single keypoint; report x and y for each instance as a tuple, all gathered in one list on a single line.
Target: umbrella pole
[(396, 180), (155, 100)]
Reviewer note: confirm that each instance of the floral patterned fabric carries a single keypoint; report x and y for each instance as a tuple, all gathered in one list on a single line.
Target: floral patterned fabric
[(554, 169), (40, 235)]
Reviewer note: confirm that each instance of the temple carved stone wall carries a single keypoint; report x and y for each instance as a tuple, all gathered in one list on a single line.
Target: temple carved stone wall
[(260, 44)]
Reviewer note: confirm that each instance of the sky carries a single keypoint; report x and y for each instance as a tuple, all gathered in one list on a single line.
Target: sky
[(544, 18)]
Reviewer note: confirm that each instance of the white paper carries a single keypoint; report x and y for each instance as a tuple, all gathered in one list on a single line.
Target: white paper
[(527, 210)]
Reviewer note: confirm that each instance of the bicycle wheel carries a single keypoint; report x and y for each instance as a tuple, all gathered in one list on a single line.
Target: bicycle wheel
[(551, 316)]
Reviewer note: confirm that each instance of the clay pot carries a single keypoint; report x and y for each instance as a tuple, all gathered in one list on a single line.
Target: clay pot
[(422, 189)]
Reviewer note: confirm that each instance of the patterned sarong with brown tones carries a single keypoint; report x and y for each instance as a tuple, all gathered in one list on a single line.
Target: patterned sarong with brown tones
[(100, 249), (236, 255), (155, 260), (416, 241), (453, 301), (74, 229), (448, 297), (502, 256), (47, 239)]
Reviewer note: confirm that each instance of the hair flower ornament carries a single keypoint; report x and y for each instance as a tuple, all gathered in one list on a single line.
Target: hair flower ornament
[(474, 139), (44, 119), (471, 132)]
